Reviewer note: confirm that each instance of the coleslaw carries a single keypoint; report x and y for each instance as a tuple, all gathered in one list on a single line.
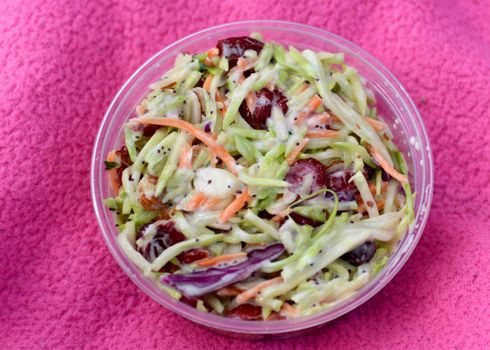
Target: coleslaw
[(258, 181)]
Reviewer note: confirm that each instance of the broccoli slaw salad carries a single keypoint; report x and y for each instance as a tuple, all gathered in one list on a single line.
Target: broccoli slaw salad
[(258, 182)]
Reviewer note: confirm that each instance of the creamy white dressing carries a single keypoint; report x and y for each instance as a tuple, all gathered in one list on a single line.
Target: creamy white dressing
[(280, 205), (215, 182), (287, 235)]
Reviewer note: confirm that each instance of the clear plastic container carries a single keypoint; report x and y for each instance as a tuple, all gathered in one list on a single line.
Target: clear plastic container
[(394, 105)]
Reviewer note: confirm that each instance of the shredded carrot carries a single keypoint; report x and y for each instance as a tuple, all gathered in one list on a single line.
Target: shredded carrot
[(150, 203), (233, 208), (361, 206), (167, 86), (296, 151), (222, 101), (207, 83), (213, 52), (210, 56), (279, 217), (140, 110), (380, 202), (223, 110), (250, 101), (301, 89), (228, 292), (300, 118), (172, 212), (383, 163), (319, 119), (384, 186), (312, 105), (252, 292), (112, 173), (212, 203), (220, 259), (321, 134), (164, 213), (372, 188), (214, 147), (112, 156), (218, 97), (377, 125), (195, 201), (289, 310), (244, 63), (259, 244), (185, 160), (335, 118)]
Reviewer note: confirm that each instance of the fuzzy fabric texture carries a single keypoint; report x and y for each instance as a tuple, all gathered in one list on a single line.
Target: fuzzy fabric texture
[(62, 63)]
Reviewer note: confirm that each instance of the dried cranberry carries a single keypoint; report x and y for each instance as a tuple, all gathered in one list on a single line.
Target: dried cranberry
[(125, 161), (338, 181), (303, 220), (281, 101), (147, 185), (190, 302), (245, 113), (141, 231), (264, 214), (367, 172), (361, 254), (192, 255), (263, 107), (302, 168), (247, 312), (152, 249), (233, 48), (173, 235), (262, 111), (385, 176), (281, 220), (124, 156), (207, 127), (169, 267), (149, 130), (166, 235), (219, 230), (248, 72), (200, 83)]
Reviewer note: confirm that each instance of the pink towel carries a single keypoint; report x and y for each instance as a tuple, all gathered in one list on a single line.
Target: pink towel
[(60, 66)]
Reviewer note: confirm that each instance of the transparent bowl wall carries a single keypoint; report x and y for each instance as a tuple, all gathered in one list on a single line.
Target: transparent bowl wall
[(394, 104)]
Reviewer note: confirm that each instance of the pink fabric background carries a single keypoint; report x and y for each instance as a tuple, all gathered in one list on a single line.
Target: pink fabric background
[(60, 66)]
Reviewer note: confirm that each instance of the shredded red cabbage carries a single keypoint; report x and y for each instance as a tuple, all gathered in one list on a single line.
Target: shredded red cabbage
[(196, 284)]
